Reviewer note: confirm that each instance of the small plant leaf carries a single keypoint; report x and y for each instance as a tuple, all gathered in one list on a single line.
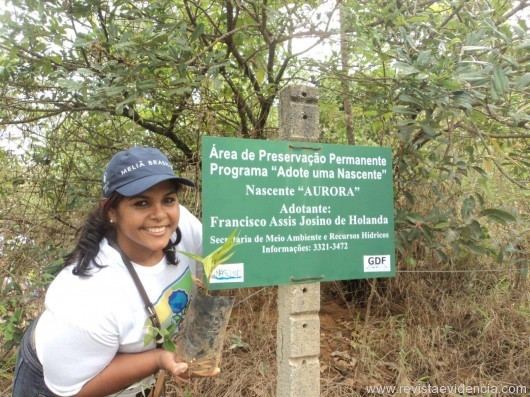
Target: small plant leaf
[(219, 256), (498, 215)]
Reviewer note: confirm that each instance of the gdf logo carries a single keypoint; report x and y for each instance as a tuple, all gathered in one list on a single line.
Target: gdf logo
[(377, 263)]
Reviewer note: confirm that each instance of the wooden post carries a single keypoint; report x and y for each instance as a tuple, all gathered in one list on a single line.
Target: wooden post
[(298, 328)]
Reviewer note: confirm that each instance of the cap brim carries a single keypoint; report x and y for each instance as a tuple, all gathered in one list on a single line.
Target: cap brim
[(142, 184)]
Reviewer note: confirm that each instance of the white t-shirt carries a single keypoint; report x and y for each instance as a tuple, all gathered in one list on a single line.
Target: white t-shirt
[(191, 229), (87, 320)]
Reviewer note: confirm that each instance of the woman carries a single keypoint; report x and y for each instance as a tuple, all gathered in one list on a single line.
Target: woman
[(90, 340)]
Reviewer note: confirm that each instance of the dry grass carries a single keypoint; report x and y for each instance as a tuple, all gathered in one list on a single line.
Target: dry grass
[(249, 362), (438, 329)]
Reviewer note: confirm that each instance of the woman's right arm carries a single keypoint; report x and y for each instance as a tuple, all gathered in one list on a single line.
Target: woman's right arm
[(126, 369), (84, 361)]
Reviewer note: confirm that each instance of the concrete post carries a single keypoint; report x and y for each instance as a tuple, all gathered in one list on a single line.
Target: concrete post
[(298, 328)]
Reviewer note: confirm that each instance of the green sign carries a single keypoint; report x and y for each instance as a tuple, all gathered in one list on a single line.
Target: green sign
[(304, 212)]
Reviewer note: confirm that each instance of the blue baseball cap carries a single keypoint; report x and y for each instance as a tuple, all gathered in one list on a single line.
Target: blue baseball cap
[(133, 171)]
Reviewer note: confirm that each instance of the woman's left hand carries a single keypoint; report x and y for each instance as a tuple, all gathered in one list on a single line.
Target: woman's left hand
[(168, 362)]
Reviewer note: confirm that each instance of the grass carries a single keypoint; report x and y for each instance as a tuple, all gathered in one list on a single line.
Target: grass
[(428, 329), (419, 329)]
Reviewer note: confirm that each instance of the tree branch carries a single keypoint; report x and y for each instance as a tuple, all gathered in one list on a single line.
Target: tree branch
[(137, 119), (477, 131), (521, 6), (412, 7)]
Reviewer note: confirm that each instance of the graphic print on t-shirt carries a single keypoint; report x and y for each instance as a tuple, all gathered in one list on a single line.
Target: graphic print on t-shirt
[(172, 304)]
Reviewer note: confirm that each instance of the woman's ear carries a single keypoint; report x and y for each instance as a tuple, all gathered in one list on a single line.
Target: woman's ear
[(110, 214)]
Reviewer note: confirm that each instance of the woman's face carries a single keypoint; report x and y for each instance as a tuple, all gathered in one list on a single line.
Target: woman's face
[(145, 223)]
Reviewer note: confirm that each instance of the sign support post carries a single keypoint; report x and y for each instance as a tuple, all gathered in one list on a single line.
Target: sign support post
[(305, 212), (298, 328)]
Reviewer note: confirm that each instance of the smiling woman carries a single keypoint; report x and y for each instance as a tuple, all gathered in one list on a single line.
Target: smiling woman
[(144, 223), (123, 277)]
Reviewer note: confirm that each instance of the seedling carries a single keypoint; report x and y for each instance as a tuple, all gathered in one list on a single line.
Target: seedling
[(216, 258), (219, 256)]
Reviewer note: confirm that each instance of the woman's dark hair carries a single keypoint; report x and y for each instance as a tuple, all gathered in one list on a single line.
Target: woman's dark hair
[(96, 227)]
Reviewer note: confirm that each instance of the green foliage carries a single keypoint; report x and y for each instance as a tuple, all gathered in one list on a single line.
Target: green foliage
[(11, 314), (445, 85)]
